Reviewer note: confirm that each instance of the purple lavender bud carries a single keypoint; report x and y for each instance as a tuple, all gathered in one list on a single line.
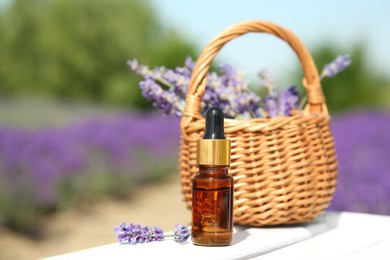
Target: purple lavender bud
[(337, 65), (135, 234), (165, 100), (190, 64), (178, 80), (233, 79), (247, 104), (147, 234), (271, 105), (123, 233), (288, 101), (228, 73), (150, 89), (158, 234), (181, 233), (223, 94)]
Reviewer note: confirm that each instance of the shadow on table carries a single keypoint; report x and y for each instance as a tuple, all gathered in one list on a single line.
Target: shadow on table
[(322, 223), (240, 234), (319, 225)]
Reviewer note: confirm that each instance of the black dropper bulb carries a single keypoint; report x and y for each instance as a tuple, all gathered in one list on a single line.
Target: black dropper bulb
[(214, 124)]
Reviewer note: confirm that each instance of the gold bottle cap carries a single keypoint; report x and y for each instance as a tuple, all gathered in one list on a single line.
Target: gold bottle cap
[(214, 148), (213, 152)]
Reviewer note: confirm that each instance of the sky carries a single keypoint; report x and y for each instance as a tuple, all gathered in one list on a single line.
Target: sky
[(342, 23)]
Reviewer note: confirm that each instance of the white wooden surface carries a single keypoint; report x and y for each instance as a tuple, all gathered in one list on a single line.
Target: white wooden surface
[(331, 236)]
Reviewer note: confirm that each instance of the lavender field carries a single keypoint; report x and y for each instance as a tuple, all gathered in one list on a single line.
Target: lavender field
[(50, 168), (363, 150)]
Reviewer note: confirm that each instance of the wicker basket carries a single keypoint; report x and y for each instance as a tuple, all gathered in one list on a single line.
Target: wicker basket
[(284, 168)]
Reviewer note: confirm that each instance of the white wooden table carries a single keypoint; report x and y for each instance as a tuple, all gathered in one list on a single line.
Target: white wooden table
[(331, 236)]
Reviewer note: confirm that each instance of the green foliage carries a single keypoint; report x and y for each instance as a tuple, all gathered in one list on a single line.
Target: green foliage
[(77, 49), (358, 86)]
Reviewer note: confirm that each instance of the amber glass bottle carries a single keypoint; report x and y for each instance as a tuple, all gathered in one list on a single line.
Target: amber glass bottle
[(212, 186)]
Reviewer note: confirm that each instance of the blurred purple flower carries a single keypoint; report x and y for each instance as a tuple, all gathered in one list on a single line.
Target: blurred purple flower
[(336, 66), (363, 150), (248, 105), (288, 100), (282, 105), (271, 105), (267, 81), (34, 163)]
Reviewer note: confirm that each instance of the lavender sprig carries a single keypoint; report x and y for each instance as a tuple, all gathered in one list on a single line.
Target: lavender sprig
[(171, 100), (168, 88), (336, 66), (135, 233), (288, 100), (330, 70), (181, 233)]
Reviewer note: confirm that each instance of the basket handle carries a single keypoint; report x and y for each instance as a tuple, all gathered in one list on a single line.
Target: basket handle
[(316, 100)]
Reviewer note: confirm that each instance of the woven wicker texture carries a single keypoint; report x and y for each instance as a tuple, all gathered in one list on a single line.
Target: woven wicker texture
[(284, 168)]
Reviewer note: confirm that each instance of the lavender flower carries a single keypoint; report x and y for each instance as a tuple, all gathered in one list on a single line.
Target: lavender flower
[(168, 88), (171, 100), (158, 234), (271, 105), (282, 105), (135, 233), (229, 90), (288, 100), (123, 233), (181, 233), (248, 106), (164, 100), (337, 65)]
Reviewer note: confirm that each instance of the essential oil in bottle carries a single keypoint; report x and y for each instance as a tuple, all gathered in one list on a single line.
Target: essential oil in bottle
[(212, 186)]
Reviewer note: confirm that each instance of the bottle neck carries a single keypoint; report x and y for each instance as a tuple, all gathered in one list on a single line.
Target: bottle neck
[(213, 169)]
